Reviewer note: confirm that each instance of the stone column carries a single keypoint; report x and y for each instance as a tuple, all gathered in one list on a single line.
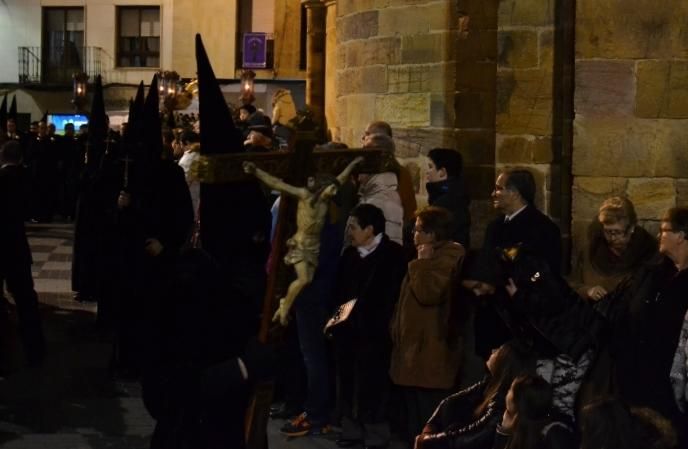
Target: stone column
[(331, 70), (315, 60)]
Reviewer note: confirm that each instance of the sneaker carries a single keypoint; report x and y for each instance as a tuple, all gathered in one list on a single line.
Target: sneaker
[(302, 426)]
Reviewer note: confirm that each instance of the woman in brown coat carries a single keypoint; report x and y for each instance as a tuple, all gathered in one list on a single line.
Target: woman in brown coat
[(427, 349)]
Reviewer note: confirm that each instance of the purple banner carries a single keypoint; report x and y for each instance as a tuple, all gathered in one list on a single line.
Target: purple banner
[(255, 51)]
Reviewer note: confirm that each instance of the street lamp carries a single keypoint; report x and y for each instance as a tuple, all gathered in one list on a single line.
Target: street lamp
[(169, 80), (168, 85), (247, 86), (79, 88)]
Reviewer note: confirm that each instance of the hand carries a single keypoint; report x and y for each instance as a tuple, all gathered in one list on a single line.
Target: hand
[(511, 287), (596, 293), (249, 167), (508, 420), (282, 314), (153, 247), (425, 251), (123, 200), (478, 288)]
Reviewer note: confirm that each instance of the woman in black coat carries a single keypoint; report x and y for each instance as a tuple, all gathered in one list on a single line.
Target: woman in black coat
[(370, 271)]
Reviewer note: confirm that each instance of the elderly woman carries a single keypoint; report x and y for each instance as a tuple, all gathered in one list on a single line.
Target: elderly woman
[(616, 248), (426, 349)]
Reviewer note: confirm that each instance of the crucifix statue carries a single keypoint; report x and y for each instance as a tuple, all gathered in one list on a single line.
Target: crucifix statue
[(304, 245)]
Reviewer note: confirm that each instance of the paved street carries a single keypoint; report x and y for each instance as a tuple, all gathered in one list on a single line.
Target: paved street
[(70, 402)]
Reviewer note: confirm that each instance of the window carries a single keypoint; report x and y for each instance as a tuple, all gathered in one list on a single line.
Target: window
[(138, 36), (63, 43)]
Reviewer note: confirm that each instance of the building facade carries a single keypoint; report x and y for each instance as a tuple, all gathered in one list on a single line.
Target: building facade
[(126, 41)]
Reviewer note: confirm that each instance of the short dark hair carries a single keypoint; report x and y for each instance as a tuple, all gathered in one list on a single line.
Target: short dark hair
[(369, 215), (448, 159), (11, 152), (678, 218), (248, 108), (380, 140), (523, 182), (189, 136), (380, 127), (437, 220), (69, 125)]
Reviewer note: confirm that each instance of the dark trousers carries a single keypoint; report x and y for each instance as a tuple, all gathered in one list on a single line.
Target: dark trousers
[(291, 378), (311, 315), (17, 274), (363, 380)]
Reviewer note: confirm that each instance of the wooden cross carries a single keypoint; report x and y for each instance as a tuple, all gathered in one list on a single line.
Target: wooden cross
[(294, 167)]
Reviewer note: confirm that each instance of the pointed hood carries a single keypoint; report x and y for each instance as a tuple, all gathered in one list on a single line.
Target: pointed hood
[(97, 127), (137, 110), (218, 132), (3, 114), (44, 119), (152, 132), (13, 109), (135, 125)]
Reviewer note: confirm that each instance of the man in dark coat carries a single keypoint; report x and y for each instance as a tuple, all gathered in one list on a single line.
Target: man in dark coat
[(15, 254), (43, 160), (72, 164), (518, 222), (445, 189)]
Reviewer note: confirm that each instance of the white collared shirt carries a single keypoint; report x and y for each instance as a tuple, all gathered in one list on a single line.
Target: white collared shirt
[(508, 218), (364, 251)]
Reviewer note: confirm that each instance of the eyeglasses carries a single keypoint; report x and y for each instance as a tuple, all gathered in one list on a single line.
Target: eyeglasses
[(615, 233)]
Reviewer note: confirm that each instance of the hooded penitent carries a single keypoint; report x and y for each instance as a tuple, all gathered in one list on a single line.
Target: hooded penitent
[(97, 129), (235, 216), (152, 134), (13, 109)]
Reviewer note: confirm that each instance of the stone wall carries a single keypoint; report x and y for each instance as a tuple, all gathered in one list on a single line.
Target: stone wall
[(395, 61), (525, 92), (631, 104)]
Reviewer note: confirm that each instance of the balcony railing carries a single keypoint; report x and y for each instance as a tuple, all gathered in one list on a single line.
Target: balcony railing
[(56, 65)]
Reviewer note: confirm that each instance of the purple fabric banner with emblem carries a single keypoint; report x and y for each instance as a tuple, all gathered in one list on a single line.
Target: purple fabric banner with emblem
[(254, 51)]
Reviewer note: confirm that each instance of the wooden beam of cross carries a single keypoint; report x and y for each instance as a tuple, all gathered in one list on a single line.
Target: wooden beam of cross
[(227, 168)]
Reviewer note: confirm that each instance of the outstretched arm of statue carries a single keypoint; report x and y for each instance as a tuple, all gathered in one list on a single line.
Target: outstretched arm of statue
[(344, 175), (272, 182)]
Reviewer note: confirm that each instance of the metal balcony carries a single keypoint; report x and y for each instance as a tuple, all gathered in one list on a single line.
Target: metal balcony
[(56, 65)]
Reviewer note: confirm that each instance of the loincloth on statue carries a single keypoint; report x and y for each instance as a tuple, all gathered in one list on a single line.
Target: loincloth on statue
[(303, 251)]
